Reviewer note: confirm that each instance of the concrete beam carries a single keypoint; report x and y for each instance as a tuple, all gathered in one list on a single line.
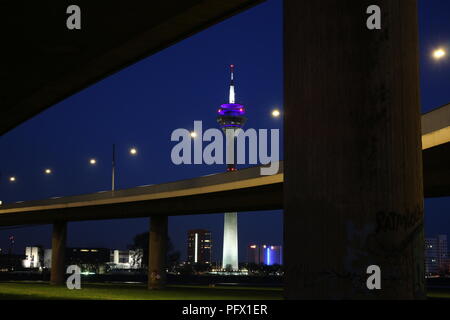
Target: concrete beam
[(59, 238), (353, 190), (436, 127), (48, 63), (209, 194), (436, 171), (157, 252)]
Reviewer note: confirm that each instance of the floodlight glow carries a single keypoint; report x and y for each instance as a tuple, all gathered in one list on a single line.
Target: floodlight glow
[(439, 54)]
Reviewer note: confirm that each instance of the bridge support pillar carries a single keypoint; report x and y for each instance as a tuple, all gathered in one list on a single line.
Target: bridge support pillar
[(59, 237), (157, 252), (353, 190)]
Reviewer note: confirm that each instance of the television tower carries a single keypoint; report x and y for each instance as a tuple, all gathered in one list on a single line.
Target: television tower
[(231, 118)]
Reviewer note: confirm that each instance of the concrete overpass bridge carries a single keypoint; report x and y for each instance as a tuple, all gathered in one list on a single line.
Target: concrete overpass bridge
[(244, 190), (353, 100), (436, 152)]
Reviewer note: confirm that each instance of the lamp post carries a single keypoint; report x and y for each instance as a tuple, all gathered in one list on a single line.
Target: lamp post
[(133, 152), (113, 182)]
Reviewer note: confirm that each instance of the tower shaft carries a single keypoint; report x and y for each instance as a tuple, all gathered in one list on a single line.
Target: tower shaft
[(230, 242)]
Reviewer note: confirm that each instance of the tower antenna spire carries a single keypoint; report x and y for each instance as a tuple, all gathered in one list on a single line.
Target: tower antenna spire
[(232, 93)]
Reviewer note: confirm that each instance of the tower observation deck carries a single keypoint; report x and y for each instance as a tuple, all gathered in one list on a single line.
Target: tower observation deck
[(231, 117)]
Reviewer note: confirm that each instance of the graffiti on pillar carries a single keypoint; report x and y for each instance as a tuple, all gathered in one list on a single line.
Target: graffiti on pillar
[(154, 276), (388, 243), (393, 221)]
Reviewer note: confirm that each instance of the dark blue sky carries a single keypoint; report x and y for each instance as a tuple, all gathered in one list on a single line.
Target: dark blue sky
[(141, 105)]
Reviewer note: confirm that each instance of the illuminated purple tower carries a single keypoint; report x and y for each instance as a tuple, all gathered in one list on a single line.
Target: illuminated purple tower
[(231, 118)]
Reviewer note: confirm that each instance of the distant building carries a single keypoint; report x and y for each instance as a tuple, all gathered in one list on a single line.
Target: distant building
[(88, 259), (34, 257), (199, 246), (436, 255), (272, 255), (87, 256), (126, 259), (48, 258), (11, 262), (94, 258), (253, 254), (265, 254)]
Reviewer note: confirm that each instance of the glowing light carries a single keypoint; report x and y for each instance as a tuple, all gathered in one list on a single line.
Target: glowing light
[(48, 171), (196, 248), (276, 113), (12, 179), (439, 54), (232, 98), (193, 134), (133, 151), (93, 161)]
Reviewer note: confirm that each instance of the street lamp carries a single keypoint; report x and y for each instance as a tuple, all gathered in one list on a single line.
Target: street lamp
[(276, 113), (133, 152), (440, 53), (12, 179), (48, 171)]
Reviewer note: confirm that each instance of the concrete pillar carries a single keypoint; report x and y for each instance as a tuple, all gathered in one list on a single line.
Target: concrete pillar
[(353, 163), (157, 252), (59, 237)]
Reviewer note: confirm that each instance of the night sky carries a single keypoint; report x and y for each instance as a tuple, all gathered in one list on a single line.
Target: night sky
[(141, 106)]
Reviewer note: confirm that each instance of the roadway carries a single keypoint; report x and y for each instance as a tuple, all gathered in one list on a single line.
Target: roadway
[(244, 190)]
